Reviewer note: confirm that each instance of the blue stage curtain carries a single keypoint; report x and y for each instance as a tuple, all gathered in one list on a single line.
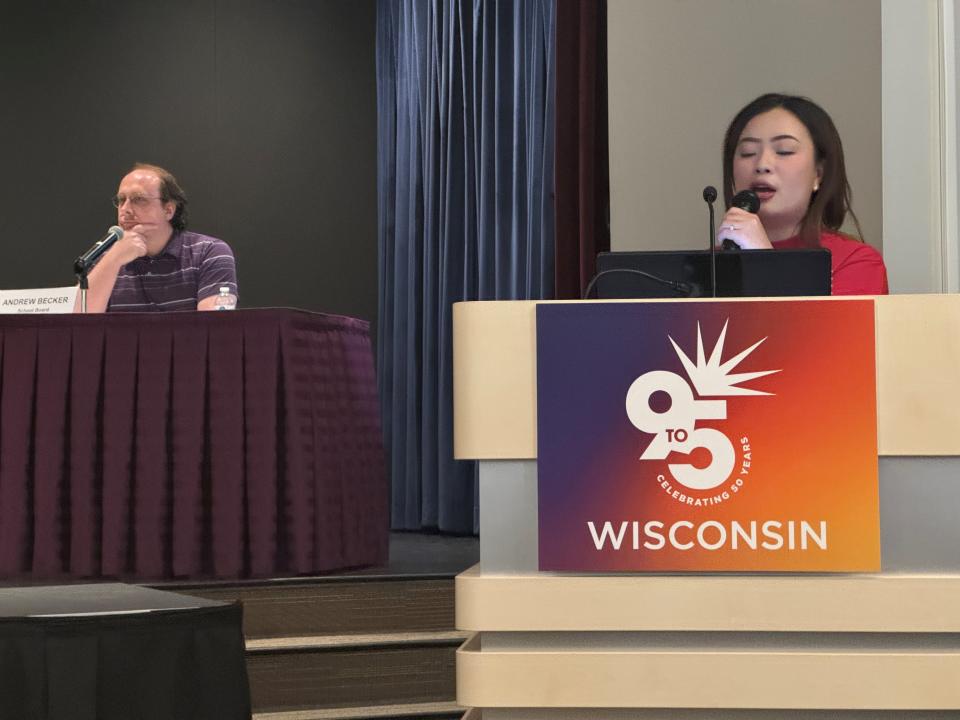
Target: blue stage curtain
[(465, 97)]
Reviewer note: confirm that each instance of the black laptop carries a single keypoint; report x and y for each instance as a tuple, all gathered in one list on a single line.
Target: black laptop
[(740, 273)]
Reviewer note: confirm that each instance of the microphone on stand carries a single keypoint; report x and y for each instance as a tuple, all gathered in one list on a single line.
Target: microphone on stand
[(710, 195), (745, 200), (82, 265)]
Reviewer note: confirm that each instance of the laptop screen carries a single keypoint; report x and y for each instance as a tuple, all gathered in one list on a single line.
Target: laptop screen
[(740, 273)]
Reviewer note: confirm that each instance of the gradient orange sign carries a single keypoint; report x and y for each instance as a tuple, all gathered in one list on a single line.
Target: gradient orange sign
[(727, 436)]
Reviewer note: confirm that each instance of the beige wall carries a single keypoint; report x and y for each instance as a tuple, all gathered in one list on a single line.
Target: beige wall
[(680, 69)]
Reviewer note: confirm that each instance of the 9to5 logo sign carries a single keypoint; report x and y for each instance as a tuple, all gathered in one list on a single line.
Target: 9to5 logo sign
[(675, 430)]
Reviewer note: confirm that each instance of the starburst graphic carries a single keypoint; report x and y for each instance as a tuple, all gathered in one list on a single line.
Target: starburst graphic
[(711, 377)]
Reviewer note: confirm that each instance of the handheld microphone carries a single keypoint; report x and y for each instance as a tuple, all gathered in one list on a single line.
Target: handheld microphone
[(745, 200), (82, 264), (709, 195)]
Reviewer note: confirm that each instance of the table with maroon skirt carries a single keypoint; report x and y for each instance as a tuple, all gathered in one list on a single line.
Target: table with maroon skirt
[(189, 445)]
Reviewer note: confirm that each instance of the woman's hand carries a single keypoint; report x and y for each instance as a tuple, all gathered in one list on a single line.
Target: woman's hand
[(745, 229)]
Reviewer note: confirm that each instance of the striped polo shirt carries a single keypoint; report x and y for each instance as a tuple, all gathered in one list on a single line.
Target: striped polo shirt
[(190, 267)]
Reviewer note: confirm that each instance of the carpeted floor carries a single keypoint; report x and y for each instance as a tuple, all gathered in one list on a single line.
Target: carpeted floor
[(413, 553)]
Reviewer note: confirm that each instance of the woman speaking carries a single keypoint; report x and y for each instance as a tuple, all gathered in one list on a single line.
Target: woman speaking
[(787, 150)]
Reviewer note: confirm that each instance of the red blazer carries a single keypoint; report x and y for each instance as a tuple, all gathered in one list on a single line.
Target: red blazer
[(856, 268)]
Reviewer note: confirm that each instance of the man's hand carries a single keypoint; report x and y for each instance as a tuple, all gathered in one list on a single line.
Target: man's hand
[(104, 274), (131, 246)]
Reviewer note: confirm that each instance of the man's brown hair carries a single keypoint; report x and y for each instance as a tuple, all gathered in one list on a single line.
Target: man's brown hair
[(170, 191)]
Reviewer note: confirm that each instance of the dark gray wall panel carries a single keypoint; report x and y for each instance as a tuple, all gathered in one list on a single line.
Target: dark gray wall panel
[(264, 109)]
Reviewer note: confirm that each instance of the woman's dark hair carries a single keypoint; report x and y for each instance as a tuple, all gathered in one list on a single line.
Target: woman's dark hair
[(830, 204), (170, 190)]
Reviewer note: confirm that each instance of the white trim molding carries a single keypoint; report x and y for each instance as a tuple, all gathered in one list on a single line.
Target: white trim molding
[(949, 148), (921, 193)]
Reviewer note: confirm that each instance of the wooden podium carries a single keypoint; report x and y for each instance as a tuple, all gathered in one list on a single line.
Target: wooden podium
[(722, 646)]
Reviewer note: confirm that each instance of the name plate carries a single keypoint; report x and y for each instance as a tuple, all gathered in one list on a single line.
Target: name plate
[(40, 300), (707, 436)]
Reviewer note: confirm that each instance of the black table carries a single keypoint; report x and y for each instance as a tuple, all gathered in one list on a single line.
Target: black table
[(116, 652)]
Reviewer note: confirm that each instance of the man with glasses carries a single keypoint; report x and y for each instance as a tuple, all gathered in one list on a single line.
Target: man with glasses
[(158, 265)]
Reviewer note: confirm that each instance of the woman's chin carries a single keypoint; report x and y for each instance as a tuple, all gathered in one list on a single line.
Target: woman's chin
[(781, 225)]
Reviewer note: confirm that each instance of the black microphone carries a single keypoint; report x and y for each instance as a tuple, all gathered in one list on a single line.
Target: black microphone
[(745, 200), (82, 264), (709, 195)]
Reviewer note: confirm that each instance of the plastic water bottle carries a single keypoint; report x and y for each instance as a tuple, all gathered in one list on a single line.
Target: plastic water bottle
[(226, 300)]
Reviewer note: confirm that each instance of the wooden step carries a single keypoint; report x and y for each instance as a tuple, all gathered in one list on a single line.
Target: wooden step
[(426, 711), (355, 641), (347, 647), (344, 677), (338, 606)]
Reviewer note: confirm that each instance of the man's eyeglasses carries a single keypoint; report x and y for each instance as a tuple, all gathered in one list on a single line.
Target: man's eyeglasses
[(135, 200)]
